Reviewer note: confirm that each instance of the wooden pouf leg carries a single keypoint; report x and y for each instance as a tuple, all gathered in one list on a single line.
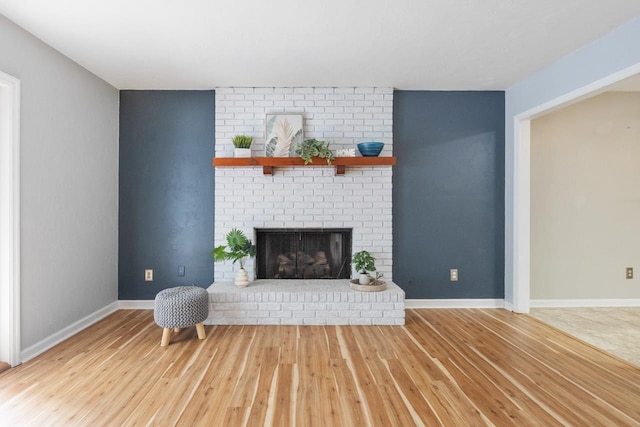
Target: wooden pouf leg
[(166, 337), (176, 330), (200, 328)]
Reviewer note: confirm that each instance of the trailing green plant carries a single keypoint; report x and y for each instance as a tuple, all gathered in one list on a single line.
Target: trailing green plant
[(364, 262), (314, 148), (242, 141), (238, 248)]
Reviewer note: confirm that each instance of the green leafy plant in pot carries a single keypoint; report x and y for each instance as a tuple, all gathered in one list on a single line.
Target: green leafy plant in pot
[(364, 263), (242, 144), (314, 148), (238, 248)]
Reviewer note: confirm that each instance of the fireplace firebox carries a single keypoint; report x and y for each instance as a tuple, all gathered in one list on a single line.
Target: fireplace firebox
[(303, 253)]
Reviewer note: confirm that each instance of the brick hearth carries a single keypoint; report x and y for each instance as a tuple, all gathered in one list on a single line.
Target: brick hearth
[(303, 302)]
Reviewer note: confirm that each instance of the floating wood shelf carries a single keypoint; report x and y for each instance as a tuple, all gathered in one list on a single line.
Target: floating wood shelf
[(268, 163)]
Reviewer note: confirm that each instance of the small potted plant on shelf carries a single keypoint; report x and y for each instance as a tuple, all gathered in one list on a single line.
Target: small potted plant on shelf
[(242, 144), (238, 248), (314, 148), (364, 263)]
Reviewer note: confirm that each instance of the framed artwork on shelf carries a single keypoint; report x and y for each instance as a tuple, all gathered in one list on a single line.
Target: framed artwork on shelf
[(284, 132)]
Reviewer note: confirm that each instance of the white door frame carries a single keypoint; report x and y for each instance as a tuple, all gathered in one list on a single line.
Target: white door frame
[(9, 219), (522, 177)]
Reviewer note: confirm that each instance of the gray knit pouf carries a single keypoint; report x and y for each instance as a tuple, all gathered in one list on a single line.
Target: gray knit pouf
[(180, 307)]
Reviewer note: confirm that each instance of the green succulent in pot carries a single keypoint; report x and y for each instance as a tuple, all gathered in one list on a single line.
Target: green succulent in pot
[(242, 141)]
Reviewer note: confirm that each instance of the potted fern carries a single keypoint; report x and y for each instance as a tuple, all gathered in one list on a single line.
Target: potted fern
[(238, 248), (242, 144)]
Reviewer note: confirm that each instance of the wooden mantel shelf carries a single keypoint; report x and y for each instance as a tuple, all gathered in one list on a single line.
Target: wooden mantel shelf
[(268, 163)]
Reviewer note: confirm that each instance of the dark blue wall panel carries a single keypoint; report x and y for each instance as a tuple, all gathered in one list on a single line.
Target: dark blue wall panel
[(448, 193), (166, 190)]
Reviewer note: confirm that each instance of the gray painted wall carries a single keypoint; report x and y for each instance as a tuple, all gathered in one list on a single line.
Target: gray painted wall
[(448, 193), (166, 190), (69, 177)]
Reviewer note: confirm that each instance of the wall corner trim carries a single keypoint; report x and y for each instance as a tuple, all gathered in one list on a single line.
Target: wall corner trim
[(10, 281), (454, 303), (508, 305), (44, 345)]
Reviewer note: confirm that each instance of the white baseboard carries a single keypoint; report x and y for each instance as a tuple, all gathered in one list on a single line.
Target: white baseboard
[(454, 303), (540, 303), (44, 345), (139, 304)]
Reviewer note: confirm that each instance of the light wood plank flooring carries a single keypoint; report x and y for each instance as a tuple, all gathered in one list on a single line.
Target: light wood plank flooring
[(445, 367)]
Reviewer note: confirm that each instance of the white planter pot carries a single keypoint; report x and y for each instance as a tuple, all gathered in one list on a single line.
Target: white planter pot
[(242, 278), (364, 279), (242, 152)]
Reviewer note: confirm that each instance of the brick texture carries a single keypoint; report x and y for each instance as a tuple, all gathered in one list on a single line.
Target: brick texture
[(306, 197), (227, 304)]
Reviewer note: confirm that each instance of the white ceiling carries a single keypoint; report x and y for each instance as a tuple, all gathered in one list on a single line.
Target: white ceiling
[(406, 44)]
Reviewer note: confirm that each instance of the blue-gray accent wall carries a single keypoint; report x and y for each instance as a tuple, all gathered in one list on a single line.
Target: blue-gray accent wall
[(166, 190), (448, 193)]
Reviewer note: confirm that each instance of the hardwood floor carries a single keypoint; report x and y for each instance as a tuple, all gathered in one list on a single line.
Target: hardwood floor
[(445, 367), (4, 366)]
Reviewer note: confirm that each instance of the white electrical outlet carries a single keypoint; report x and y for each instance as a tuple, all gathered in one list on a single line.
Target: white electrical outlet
[(148, 275), (453, 274)]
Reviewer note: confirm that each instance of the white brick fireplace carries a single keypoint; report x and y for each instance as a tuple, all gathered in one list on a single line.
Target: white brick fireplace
[(306, 197)]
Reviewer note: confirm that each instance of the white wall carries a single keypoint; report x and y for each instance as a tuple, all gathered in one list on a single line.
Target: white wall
[(307, 196), (69, 179), (613, 53), (585, 199)]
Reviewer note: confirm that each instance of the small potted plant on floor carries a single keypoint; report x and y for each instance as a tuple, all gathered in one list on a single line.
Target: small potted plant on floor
[(364, 263), (238, 248), (242, 144)]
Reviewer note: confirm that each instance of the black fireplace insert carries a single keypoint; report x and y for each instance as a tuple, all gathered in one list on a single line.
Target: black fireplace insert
[(307, 253)]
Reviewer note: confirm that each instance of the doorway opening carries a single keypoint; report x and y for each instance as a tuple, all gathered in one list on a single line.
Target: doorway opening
[(521, 177), (9, 219)]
